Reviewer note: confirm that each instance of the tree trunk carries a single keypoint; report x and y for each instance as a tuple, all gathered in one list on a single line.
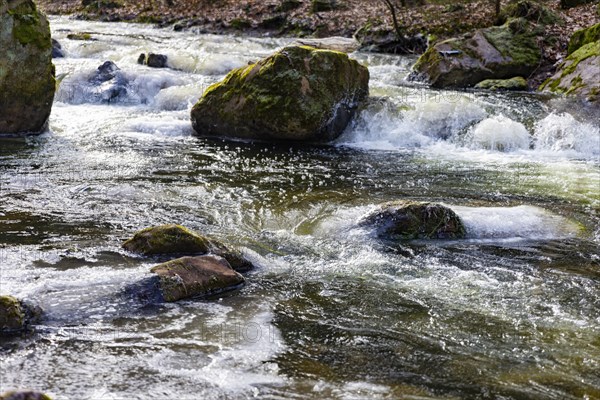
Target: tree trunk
[(392, 9)]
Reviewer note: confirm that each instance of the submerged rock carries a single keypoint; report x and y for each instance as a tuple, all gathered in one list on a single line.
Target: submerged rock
[(300, 93), (16, 315), (497, 52), (109, 82), (415, 220), (189, 277), (176, 239), (24, 395), (26, 72), (579, 74), (57, 51), (516, 83)]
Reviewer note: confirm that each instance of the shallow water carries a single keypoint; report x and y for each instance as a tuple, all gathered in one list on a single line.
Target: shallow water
[(511, 312)]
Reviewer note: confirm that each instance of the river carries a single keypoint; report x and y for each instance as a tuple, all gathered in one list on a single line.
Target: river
[(511, 312)]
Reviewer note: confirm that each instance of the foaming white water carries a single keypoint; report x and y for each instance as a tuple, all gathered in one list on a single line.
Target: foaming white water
[(521, 222), (499, 133), (558, 132), (393, 126)]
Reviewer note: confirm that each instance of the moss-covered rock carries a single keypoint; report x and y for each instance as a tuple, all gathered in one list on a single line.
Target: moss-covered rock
[(497, 52), (24, 395), (178, 240), (578, 75), (583, 37), (16, 315), (530, 10), (300, 93), (27, 82), (516, 83), (189, 277), (415, 220)]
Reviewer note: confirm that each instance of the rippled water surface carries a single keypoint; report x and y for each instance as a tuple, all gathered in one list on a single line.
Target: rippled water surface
[(511, 312)]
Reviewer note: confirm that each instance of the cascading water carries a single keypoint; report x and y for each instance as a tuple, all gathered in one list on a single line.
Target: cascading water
[(510, 312)]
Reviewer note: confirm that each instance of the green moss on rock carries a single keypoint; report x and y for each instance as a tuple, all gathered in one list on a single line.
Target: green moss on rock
[(583, 37), (12, 314), (298, 93), (579, 74), (178, 240), (27, 82), (407, 220)]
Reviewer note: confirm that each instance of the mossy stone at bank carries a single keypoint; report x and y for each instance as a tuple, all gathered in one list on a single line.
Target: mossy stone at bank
[(516, 83), (298, 94), (406, 220), (497, 52), (578, 75), (190, 277), (27, 83), (177, 240)]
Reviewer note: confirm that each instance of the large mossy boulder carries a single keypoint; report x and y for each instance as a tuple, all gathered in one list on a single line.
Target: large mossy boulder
[(16, 315), (299, 93), (190, 277), (177, 240), (579, 74), (24, 395), (497, 52), (27, 82), (406, 220)]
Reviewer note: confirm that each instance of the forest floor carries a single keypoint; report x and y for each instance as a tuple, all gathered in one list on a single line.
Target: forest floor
[(442, 18)]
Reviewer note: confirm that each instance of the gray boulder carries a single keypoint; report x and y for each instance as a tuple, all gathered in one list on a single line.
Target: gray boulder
[(191, 277), (27, 82)]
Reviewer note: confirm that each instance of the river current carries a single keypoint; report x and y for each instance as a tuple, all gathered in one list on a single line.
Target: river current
[(511, 312)]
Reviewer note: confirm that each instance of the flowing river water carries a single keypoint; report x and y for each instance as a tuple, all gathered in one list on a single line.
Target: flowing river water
[(511, 312)]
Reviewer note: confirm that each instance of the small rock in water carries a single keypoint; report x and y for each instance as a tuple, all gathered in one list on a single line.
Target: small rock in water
[(415, 220), (16, 315), (189, 277), (157, 60), (24, 395), (80, 36), (153, 60), (176, 239)]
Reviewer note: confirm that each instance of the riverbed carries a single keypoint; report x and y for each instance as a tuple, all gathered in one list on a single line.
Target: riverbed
[(330, 312)]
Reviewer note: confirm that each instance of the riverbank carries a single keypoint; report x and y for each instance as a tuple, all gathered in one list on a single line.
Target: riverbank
[(276, 18)]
